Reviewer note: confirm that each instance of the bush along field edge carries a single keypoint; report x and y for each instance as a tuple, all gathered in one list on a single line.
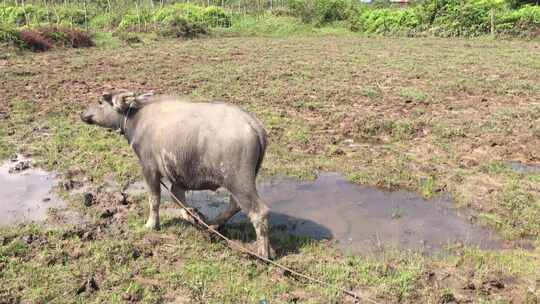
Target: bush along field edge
[(40, 27)]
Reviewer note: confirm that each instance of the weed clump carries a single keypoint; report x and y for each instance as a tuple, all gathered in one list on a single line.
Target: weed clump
[(34, 41), (128, 37), (10, 36), (44, 38), (66, 37)]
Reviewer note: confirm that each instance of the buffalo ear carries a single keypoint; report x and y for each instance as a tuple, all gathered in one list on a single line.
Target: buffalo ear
[(121, 101), (107, 97), (140, 100)]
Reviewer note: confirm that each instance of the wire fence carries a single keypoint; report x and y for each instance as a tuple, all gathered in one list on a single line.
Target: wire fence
[(138, 15), (132, 14), (237, 6)]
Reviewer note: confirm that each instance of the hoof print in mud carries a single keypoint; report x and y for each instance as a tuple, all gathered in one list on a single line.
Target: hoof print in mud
[(71, 184), (89, 286), (87, 236), (120, 198), (88, 199), (107, 213)]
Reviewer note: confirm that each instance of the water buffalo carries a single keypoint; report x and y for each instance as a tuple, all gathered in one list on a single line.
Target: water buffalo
[(196, 146)]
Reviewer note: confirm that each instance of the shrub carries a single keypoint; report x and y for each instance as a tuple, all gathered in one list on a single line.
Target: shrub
[(44, 38), (135, 21), (302, 9), (447, 18), (522, 22), (212, 16), (191, 12), (514, 4), (128, 37), (11, 36), (32, 15), (332, 10), (66, 37), (461, 17), (216, 17), (163, 14), (71, 15), (105, 21), (35, 41), (386, 20), (180, 27), (320, 11)]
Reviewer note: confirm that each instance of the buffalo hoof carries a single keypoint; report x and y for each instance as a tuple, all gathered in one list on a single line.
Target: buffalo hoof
[(152, 225), (189, 218), (266, 251)]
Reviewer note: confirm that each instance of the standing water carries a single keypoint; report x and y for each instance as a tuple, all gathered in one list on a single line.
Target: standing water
[(25, 193), (364, 218), (358, 218)]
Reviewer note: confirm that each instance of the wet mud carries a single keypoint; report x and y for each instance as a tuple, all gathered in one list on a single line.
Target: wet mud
[(523, 168)]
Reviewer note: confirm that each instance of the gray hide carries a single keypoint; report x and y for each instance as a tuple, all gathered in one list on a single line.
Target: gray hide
[(197, 146)]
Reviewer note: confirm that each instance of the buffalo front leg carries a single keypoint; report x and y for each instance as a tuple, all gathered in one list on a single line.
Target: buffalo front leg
[(180, 195), (152, 180)]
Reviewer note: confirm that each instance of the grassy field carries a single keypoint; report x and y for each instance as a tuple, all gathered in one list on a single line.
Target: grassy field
[(428, 115)]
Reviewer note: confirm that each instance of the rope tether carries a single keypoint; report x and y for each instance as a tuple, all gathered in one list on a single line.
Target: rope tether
[(233, 245)]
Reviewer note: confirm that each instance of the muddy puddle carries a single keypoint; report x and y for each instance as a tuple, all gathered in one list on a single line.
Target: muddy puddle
[(357, 218), (26, 193), (523, 168)]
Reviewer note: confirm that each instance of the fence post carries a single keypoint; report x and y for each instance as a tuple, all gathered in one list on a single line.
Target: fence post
[(85, 16), (492, 22), (138, 15), (24, 12)]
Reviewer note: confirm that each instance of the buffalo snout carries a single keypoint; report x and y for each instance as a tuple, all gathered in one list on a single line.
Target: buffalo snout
[(87, 118)]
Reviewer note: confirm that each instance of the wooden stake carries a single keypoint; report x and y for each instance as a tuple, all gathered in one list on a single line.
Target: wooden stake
[(492, 21)]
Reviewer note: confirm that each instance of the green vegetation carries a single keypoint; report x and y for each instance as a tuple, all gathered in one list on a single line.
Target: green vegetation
[(446, 18), (449, 19)]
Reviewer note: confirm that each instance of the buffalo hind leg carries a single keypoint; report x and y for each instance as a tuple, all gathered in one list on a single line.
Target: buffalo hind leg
[(257, 212)]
